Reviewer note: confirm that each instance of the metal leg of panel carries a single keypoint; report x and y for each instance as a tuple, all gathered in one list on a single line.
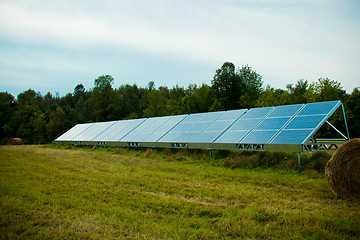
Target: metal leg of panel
[(299, 160)]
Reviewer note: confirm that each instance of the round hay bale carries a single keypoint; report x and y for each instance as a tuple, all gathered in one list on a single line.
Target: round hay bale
[(342, 172), (15, 141)]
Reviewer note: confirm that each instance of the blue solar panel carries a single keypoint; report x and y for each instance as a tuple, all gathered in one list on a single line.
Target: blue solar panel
[(170, 137), (272, 123), (166, 127), (232, 136), (182, 127), (73, 132), (186, 137), (194, 117), (212, 116), (259, 136), (244, 124), (286, 110), (319, 108), (199, 127), (118, 130), (290, 124), (292, 136), (92, 131), (217, 127), (192, 126), (145, 129), (232, 115), (206, 137), (257, 112), (304, 122)]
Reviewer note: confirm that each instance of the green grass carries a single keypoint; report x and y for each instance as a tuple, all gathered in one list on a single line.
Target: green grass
[(49, 192)]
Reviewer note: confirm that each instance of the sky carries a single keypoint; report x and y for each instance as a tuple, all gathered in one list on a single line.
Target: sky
[(52, 46)]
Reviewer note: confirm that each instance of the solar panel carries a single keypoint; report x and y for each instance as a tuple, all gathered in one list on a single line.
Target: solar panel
[(192, 126), (285, 110), (308, 120), (256, 128), (92, 131), (320, 108), (257, 112), (303, 122), (118, 130), (163, 129), (145, 129), (73, 132), (259, 136), (243, 125), (292, 136), (271, 124)]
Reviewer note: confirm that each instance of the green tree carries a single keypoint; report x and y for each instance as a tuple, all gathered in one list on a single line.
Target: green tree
[(227, 86), (7, 108), (272, 97), (103, 98), (238, 89), (325, 90), (156, 100), (251, 84), (29, 97), (352, 107), (79, 91), (57, 124), (104, 82), (297, 93), (216, 106)]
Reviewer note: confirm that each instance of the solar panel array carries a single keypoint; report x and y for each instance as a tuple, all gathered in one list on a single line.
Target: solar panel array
[(288, 124)]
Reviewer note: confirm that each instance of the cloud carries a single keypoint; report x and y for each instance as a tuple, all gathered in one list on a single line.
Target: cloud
[(283, 40)]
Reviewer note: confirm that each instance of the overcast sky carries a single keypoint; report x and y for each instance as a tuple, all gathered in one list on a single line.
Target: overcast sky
[(53, 45)]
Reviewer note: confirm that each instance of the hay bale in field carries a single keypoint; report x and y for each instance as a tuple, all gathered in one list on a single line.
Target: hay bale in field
[(342, 172), (15, 141)]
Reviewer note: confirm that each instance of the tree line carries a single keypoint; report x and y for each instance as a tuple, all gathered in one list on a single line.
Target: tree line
[(40, 118)]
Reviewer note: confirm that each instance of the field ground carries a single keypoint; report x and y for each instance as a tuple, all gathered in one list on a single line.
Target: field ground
[(49, 192)]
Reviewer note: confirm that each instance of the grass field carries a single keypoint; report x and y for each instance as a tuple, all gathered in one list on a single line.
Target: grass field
[(49, 192)]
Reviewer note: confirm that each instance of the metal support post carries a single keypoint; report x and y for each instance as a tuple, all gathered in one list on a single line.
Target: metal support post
[(299, 160)]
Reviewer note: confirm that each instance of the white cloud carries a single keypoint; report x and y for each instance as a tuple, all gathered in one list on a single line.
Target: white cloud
[(284, 41)]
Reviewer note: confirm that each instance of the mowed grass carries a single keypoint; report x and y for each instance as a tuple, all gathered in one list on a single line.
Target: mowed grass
[(48, 192)]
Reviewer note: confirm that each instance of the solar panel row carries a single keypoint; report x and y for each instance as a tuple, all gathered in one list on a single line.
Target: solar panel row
[(290, 124)]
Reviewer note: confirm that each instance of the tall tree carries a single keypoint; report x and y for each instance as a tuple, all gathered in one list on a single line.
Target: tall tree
[(227, 86), (103, 98), (156, 100), (297, 93), (251, 86), (325, 90), (7, 109), (236, 89), (352, 107)]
